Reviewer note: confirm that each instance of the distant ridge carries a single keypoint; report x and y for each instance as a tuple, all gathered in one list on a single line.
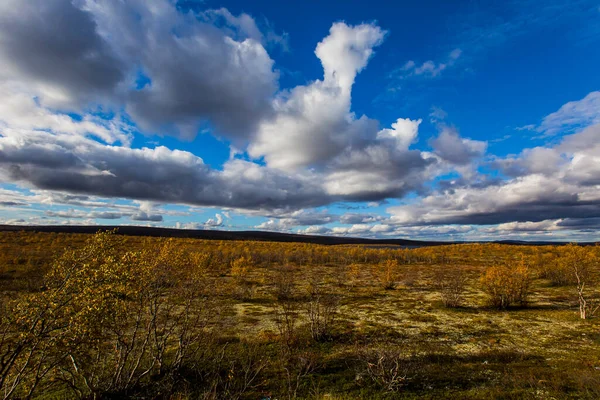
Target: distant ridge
[(131, 230), (245, 235)]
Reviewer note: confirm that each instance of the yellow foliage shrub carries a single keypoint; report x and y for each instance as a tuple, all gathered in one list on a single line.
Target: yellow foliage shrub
[(388, 274), (507, 285)]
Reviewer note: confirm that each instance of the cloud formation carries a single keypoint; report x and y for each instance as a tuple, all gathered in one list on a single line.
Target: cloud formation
[(77, 101), (316, 150), (314, 123), (549, 183), (173, 71), (573, 115)]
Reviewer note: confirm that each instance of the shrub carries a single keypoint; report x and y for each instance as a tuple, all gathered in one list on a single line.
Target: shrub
[(451, 285), (386, 367), (354, 273), (507, 285), (286, 307), (388, 274), (106, 321), (321, 309), (243, 288)]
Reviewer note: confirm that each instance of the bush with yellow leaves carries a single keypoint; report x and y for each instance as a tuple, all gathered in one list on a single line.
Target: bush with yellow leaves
[(507, 285), (105, 320), (387, 273)]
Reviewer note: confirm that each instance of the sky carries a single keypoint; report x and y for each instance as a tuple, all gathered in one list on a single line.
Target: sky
[(445, 120)]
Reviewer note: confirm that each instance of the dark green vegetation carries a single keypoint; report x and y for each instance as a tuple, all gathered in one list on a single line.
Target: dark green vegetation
[(109, 316)]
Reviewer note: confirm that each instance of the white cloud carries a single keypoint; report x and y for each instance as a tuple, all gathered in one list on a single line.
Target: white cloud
[(315, 230), (429, 68), (215, 222), (314, 123), (77, 54), (403, 133), (549, 183), (570, 117), (19, 110), (284, 222)]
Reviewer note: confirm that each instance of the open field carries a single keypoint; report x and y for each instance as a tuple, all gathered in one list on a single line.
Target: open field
[(118, 316)]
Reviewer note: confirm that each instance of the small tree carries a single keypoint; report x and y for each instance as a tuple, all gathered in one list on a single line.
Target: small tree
[(583, 264)]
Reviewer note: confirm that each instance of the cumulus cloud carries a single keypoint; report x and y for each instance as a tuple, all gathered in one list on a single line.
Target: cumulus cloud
[(195, 71), (81, 165), (65, 157), (71, 213), (137, 215), (538, 160), (144, 216), (19, 110), (315, 230), (215, 222), (286, 221), (313, 123), (354, 218), (244, 26), (316, 150), (314, 127)]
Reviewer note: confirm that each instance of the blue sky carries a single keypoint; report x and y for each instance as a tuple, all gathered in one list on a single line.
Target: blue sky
[(455, 120)]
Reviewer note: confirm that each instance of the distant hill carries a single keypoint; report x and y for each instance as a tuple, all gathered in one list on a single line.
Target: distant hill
[(242, 235)]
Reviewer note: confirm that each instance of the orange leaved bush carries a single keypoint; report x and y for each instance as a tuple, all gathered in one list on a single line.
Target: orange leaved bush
[(507, 285)]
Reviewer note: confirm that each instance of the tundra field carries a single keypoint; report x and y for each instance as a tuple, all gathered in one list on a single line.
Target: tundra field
[(108, 316)]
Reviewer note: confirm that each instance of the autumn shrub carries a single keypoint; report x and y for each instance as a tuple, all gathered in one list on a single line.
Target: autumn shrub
[(286, 305), (302, 365), (451, 285), (321, 309), (385, 366), (353, 272), (507, 285), (559, 273), (544, 265), (243, 287), (284, 282), (294, 360), (387, 272), (107, 321), (231, 370)]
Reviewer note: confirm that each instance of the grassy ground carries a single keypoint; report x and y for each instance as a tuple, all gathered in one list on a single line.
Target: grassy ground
[(543, 350)]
